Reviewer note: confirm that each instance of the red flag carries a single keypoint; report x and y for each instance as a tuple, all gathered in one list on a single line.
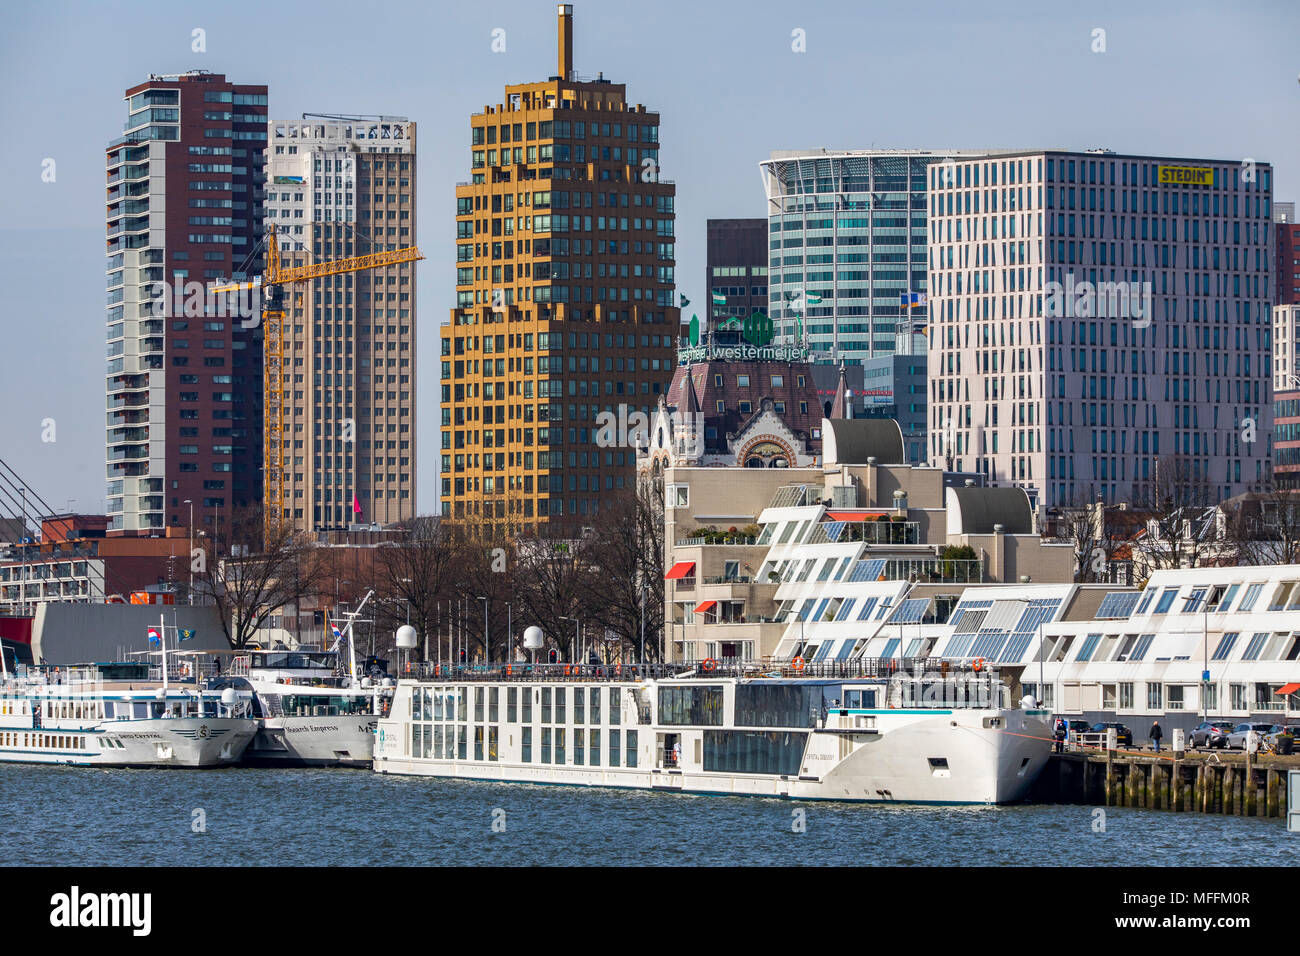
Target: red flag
[(356, 505)]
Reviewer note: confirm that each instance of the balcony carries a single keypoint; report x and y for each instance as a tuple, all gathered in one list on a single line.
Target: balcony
[(885, 530)]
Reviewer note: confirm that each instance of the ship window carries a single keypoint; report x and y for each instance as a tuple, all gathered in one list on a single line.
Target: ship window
[(695, 706), (631, 748), (753, 751), (546, 745), (526, 745)]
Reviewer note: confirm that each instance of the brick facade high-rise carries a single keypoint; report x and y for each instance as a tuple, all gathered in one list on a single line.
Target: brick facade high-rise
[(183, 207)]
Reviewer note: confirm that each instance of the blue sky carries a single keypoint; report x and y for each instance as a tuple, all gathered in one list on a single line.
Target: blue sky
[(1200, 79)]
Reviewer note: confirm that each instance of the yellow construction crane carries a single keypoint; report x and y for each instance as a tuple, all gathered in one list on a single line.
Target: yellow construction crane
[(274, 379)]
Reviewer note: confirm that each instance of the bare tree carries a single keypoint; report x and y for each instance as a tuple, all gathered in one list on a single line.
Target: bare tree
[(1264, 527), (556, 581), (415, 576), (627, 549), (255, 572), (1183, 529)]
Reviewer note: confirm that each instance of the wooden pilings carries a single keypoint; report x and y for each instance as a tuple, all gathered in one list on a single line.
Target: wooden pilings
[(1232, 784)]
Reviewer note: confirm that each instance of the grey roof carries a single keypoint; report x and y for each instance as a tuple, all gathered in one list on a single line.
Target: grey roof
[(982, 508), (851, 441)]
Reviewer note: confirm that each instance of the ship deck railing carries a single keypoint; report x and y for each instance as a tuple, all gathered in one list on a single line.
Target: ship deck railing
[(874, 669)]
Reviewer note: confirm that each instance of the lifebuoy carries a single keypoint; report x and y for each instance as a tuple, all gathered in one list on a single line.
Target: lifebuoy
[(797, 663), (509, 670), (408, 667), (709, 664), (978, 665)]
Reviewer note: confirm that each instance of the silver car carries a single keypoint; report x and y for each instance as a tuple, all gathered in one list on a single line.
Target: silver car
[(1237, 739)]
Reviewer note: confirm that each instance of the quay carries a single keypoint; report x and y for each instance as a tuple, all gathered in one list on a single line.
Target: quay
[(1233, 784)]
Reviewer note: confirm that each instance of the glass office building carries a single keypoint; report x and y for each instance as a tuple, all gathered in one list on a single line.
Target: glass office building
[(847, 228)]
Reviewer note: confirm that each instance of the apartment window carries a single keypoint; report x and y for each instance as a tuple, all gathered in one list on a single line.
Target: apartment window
[(1166, 600), (1155, 697)]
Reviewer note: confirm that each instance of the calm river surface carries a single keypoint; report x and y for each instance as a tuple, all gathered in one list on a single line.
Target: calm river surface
[(80, 816)]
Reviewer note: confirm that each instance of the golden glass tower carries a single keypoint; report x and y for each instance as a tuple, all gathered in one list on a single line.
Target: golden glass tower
[(565, 299)]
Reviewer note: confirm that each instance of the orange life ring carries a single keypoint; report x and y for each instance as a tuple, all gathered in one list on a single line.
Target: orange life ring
[(978, 665), (408, 667), (709, 664), (797, 663), (509, 670)]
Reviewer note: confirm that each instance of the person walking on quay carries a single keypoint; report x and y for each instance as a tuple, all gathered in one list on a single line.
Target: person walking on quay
[(1156, 734), (1059, 734)]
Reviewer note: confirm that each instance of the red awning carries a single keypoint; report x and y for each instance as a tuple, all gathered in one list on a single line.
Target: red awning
[(856, 515), (705, 606), (1286, 689), (680, 570)]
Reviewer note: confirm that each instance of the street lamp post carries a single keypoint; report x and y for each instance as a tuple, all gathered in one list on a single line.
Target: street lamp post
[(643, 623)]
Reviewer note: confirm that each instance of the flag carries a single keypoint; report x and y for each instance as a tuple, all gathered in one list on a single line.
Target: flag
[(334, 629), (719, 299), (185, 633), (812, 298), (356, 505), (685, 301), (154, 636), (910, 300)]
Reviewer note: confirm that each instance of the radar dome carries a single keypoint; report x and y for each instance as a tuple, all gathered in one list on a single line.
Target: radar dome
[(406, 637), (228, 697), (534, 639)]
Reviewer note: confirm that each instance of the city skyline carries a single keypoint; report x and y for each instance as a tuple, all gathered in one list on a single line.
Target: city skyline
[(51, 230)]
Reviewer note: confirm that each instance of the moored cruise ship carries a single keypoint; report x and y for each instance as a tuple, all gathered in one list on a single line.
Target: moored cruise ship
[(307, 713), (113, 715), (907, 732)]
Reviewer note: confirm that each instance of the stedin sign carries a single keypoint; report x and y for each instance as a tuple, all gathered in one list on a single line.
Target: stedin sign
[(1186, 175), (757, 331)]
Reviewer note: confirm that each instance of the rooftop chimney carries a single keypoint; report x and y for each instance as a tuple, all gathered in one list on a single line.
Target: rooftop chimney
[(566, 39)]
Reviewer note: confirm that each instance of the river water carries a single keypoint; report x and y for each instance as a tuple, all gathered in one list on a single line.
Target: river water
[(239, 817)]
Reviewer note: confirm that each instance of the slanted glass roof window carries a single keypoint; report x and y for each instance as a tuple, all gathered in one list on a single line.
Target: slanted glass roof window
[(1225, 603), (844, 566), (821, 609), (787, 531), (1015, 648), (891, 647), (910, 611), (846, 609), (846, 649), (1147, 595), (1166, 600), (1193, 602), (1040, 611), (868, 606), (1251, 596), (806, 569), (1116, 605), (807, 607), (868, 570), (823, 651), (1255, 646), (1224, 647), (1089, 645), (827, 567), (1143, 645), (988, 644), (885, 606)]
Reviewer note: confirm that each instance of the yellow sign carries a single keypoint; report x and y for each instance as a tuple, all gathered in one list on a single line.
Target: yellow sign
[(1187, 175)]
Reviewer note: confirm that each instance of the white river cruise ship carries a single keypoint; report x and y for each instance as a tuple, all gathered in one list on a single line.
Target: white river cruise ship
[(114, 715), (883, 731)]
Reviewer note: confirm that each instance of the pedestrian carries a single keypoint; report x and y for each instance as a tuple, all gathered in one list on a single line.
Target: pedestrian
[(1156, 734), (677, 754), (1059, 734)]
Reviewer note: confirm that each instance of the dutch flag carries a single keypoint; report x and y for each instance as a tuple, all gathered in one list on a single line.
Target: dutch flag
[(154, 636)]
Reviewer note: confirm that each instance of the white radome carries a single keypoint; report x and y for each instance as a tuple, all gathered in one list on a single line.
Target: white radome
[(406, 637), (534, 639)]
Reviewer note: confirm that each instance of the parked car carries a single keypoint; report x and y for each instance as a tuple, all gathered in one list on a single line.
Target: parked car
[(1212, 733), (1123, 736), (1237, 739)]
